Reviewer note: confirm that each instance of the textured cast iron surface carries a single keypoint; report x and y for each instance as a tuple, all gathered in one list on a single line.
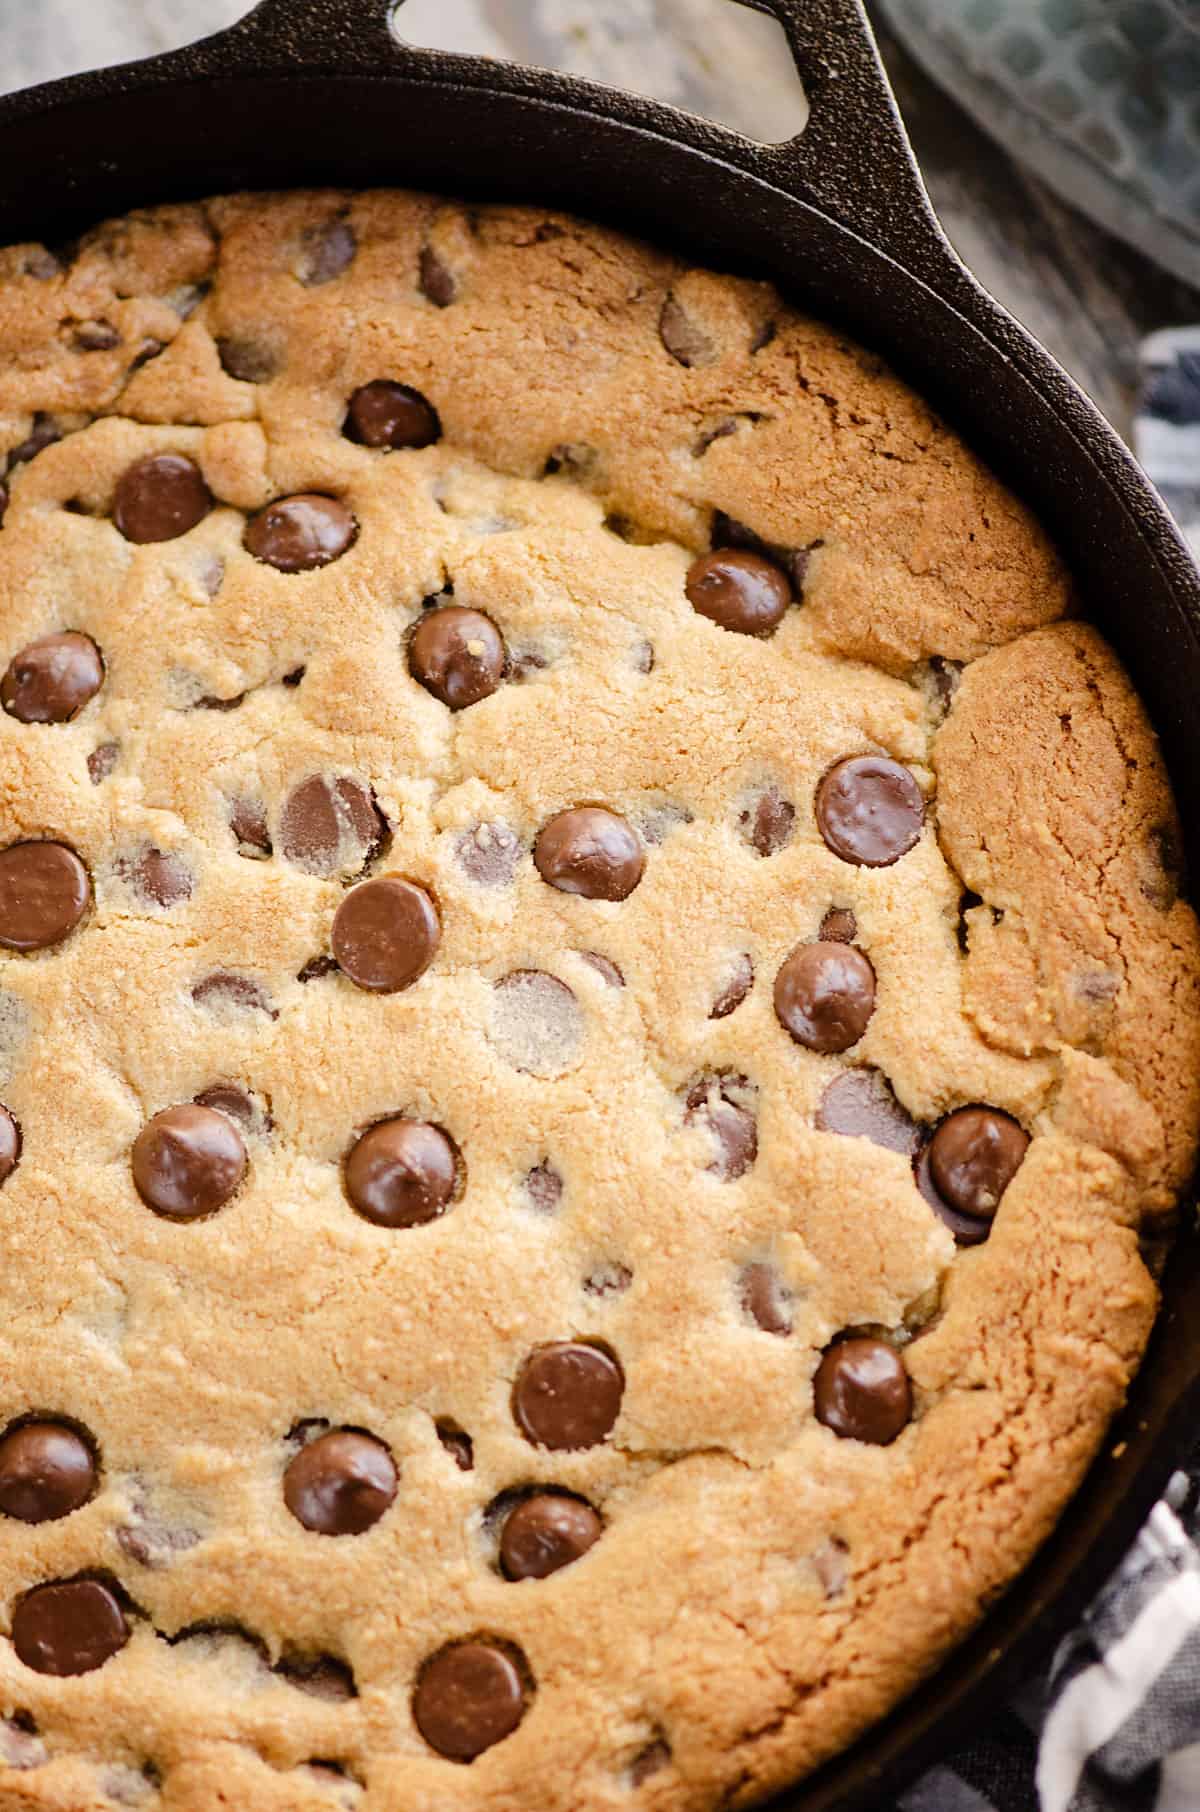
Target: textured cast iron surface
[(319, 91)]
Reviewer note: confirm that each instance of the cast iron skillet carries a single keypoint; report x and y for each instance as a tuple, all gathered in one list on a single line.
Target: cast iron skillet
[(310, 91)]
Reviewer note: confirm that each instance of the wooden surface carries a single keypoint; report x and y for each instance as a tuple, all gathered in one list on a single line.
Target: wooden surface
[(1085, 296)]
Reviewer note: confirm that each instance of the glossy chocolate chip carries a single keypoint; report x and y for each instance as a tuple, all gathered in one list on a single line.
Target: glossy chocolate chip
[(766, 1298), (435, 279), (386, 934), (458, 655), (825, 996), (326, 251), (401, 1173), (384, 414), (102, 761), (869, 810), (458, 1445), (861, 1391), (159, 877), (331, 826), (860, 1104), (71, 1626), (489, 854), (297, 534), (46, 1471), (10, 1144), (736, 988), (248, 822), (974, 1156), (568, 1395), (545, 1533), (51, 680), (712, 1102), (341, 1483), (968, 1229), (739, 591), (590, 851), (767, 822), (188, 1161), (839, 926), (160, 497), (469, 1696), (44, 892)]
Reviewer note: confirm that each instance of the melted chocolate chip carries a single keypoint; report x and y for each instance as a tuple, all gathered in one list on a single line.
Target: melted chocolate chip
[(735, 990), (71, 1626), (974, 1156), (869, 810), (297, 534), (44, 432), (341, 1483), (544, 1187), (44, 892), (469, 1696), (739, 591), (435, 279), (249, 361), (385, 934), (402, 1173), (159, 877), (968, 1229), (860, 1105), (46, 1472), (711, 1102), (316, 967), (384, 414), (861, 1391), (223, 994), (458, 1445), (326, 251), (248, 822), (545, 1533), (102, 761), (458, 655), (683, 336), (10, 1144), (330, 826), (188, 1161), (766, 1298), (839, 926), (825, 996), (489, 854), (51, 680), (160, 497), (568, 1395), (96, 336), (590, 851), (767, 822)]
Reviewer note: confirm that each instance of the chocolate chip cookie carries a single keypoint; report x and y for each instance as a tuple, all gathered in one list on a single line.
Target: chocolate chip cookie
[(594, 995)]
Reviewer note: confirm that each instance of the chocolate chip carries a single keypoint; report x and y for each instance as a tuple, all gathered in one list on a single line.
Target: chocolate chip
[(188, 1161), (590, 851), (652, 1759), (10, 1144), (297, 534), (44, 432), (341, 1483), (568, 1395), (735, 989), (330, 826), (232, 1100), (402, 1173), (294, 677), (825, 996), (160, 497), (766, 1298), (739, 591), (545, 1533), (435, 279), (248, 361), (839, 926), (159, 877), (489, 854), (968, 1229), (320, 1676), (71, 1626), (727, 532), (767, 822), (712, 1102), (458, 1445), (861, 1391), (44, 892), (96, 336), (46, 1471), (210, 702), (683, 336), (149, 1540), (326, 251), (604, 967), (536, 1024), (52, 679), (544, 1187), (102, 761), (316, 967), (224, 994), (385, 934), (869, 810), (248, 822), (458, 655), (946, 676), (470, 1696), (860, 1105), (384, 414), (974, 1156)]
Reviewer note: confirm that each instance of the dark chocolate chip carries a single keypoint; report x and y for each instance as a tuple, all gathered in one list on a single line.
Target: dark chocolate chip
[(590, 851), (320, 1676), (402, 1173), (739, 591), (316, 967), (235, 1102), (248, 822), (974, 1156), (839, 926), (71, 1626), (249, 361), (159, 877), (188, 1161), (385, 934), (825, 996), (862, 1392), (458, 655), (683, 336), (604, 967), (96, 336), (545, 1533), (436, 280), (222, 992), (44, 432), (384, 414), (458, 1445), (735, 989), (331, 826), (711, 1102), (568, 1395), (727, 532), (489, 854), (51, 680), (297, 534), (946, 676), (46, 1471), (341, 1483), (869, 810), (10, 1144), (160, 497), (766, 1298), (44, 892), (968, 1229), (768, 821), (326, 251), (102, 761), (469, 1696), (544, 1187), (860, 1104)]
